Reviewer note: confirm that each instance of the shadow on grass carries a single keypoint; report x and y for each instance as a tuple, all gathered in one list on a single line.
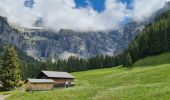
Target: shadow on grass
[(153, 60), (151, 64), (2, 89)]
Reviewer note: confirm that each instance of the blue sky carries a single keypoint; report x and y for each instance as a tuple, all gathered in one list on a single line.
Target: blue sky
[(29, 3), (98, 5)]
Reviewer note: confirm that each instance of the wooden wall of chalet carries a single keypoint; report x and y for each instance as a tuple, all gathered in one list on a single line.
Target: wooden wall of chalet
[(39, 86), (61, 82)]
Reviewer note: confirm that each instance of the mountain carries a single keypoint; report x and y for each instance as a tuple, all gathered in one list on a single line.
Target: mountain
[(153, 40), (44, 44)]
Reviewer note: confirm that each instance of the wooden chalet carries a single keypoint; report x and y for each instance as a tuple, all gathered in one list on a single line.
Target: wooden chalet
[(39, 84), (60, 78)]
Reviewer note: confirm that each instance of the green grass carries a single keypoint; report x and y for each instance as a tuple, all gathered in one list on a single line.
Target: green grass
[(154, 60), (149, 82)]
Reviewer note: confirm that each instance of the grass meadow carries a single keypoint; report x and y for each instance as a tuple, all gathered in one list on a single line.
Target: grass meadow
[(148, 80)]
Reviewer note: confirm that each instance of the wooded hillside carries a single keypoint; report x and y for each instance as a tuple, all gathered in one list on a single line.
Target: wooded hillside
[(153, 40)]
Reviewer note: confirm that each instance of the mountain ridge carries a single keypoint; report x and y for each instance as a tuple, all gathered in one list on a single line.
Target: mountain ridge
[(48, 44)]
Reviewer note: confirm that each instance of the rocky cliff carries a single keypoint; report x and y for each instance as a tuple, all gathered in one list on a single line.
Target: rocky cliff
[(42, 44)]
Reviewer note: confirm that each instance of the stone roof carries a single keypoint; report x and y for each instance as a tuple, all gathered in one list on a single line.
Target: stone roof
[(56, 74)]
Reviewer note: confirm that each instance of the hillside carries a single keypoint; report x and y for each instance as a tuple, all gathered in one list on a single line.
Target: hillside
[(149, 82), (153, 40)]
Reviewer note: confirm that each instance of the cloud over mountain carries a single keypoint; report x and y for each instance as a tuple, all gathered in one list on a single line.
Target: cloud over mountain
[(143, 9), (57, 14)]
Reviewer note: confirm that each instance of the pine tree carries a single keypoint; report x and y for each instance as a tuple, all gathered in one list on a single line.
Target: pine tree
[(128, 60), (10, 71)]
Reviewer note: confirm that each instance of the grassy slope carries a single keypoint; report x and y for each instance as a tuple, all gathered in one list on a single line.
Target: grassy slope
[(152, 81)]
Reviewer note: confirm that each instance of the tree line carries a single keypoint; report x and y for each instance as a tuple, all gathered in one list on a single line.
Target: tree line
[(72, 64)]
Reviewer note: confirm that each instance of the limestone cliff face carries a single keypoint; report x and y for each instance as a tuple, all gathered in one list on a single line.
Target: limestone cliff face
[(41, 44)]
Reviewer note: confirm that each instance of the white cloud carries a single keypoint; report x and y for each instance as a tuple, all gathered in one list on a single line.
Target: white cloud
[(63, 14), (16, 13), (143, 9), (59, 14)]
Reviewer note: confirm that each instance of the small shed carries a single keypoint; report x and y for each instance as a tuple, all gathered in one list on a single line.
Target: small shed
[(39, 84), (59, 78)]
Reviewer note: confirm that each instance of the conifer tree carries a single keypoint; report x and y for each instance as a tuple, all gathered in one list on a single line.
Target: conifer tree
[(128, 60), (10, 71)]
